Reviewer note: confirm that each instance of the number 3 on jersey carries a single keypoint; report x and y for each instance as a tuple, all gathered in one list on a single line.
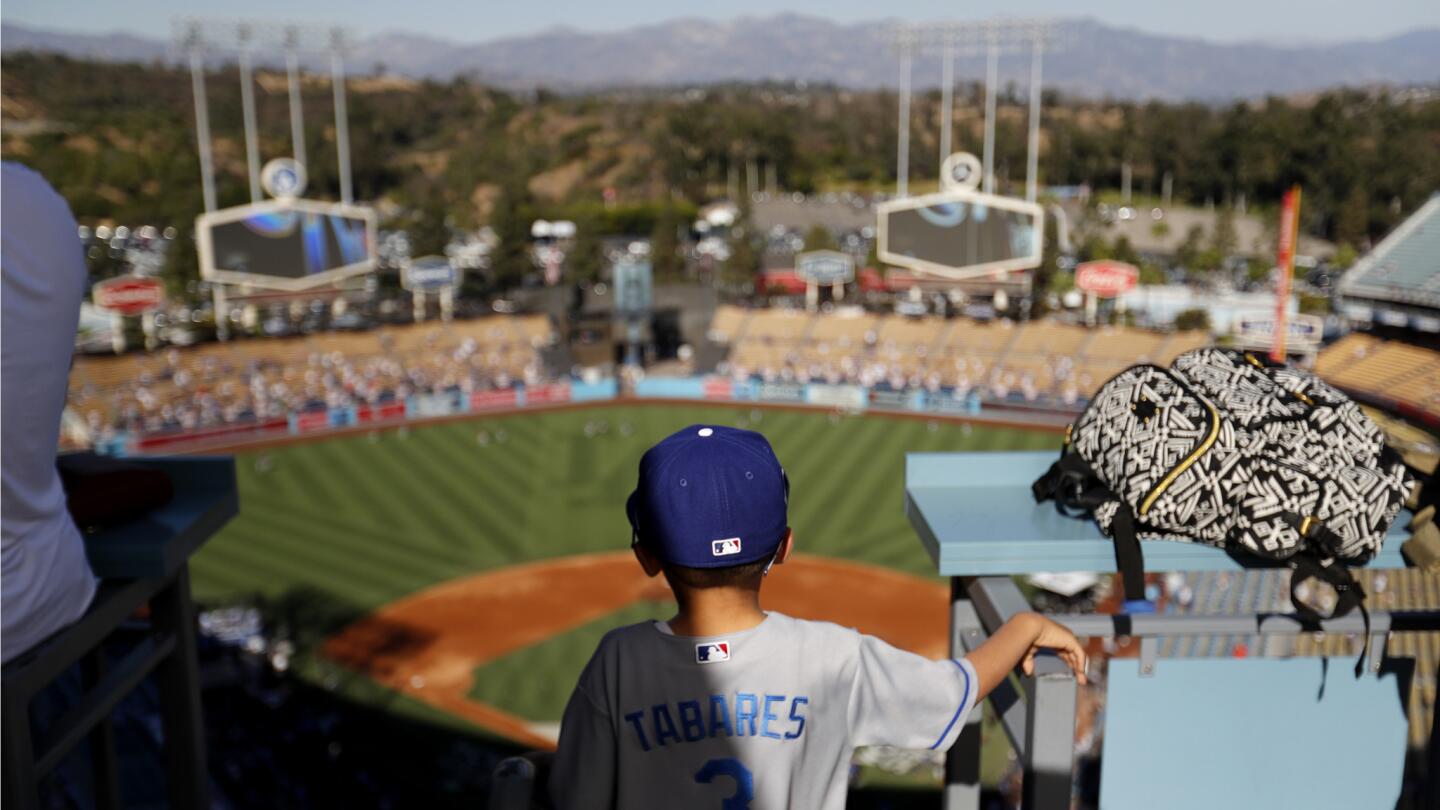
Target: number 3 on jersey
[(731, 767)]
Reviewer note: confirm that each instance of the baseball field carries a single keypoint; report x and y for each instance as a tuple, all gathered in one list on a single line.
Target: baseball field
[(463, 572)]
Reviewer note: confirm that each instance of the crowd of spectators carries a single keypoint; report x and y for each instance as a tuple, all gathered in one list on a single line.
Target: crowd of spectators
[(1036, 362), (219, 384)]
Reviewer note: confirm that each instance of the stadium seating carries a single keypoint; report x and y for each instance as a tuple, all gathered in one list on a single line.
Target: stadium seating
[(727, 325), (219, 383), (1384, 372), (1045, 362), (1401, 269)]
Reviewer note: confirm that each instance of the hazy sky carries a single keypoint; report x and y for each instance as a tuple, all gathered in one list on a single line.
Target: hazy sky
[(474, 20)]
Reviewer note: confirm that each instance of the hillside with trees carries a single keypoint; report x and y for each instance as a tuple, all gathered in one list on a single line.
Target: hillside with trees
[(118, 142)]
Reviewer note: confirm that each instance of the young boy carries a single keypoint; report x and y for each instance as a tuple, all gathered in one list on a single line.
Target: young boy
[(726, 705)]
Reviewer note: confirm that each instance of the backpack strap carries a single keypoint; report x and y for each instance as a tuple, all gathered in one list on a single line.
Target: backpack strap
[(1129, 559), (1071, 482), (1348, 595), (1065, 481)]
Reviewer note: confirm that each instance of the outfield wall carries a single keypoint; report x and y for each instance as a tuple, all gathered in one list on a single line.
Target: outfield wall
[(452, 404)]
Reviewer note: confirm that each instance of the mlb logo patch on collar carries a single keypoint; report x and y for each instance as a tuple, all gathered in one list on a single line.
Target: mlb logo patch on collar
[(711, 652), (724, 548)]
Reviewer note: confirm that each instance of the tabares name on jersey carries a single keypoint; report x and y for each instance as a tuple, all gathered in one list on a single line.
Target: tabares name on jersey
[(754, 715)]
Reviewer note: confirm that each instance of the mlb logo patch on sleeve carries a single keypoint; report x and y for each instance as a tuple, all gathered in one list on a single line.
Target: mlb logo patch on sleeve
[(712, 652), (724, 548)]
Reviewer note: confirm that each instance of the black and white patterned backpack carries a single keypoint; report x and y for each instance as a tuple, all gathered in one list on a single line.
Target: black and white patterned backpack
[(1227, 449)]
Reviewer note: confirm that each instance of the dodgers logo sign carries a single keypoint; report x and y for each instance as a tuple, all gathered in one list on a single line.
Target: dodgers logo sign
[(724, 548), (712, 652)]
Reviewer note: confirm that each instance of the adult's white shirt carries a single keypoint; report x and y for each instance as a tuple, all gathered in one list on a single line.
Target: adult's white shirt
[(45, 581)]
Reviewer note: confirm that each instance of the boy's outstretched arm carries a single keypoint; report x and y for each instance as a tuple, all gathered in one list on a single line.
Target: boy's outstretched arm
[(1017, 642)]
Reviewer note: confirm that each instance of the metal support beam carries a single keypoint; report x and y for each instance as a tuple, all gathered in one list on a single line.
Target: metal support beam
[(342, 124), (902, 146), (1049, 755), (1041, 728), (1154, 624), (991, 77), (996, 600), (19, 788), (95, 707), (1032, 163), (202, 130), (297, 113), (252, 137), (947, 101), (962, 761), (103, 761), (181, 716)]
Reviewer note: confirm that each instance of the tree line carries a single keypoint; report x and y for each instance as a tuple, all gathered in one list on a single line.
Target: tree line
[(118, 142)]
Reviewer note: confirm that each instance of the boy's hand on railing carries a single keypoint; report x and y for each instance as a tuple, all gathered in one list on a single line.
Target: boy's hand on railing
[(1017, 642), (1051, 635)]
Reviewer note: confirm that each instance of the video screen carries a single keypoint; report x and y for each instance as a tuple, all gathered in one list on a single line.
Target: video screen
[(961, 234), (290, 244)]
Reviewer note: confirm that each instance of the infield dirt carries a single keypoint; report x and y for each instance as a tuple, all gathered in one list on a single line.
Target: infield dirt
[(428, 645)]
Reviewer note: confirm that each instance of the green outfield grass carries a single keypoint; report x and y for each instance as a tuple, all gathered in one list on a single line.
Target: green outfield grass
[(361, 520), (328, 531)]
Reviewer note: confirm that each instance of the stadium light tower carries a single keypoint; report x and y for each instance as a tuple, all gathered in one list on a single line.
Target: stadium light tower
[(994, 38), (906, 41), (200, 39)]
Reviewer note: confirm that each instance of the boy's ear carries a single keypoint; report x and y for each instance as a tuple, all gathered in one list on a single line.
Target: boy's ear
[(649, 562), (786, 546)]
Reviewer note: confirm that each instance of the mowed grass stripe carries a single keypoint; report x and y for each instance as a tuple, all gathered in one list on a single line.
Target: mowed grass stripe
[(338, 569), (380, 497), (429, 507), (314, 479), (385, 558), (825, 494), (875, 486), (795, 441), (491, 463), (281, 570), (394, 481), (364, 532), (803, 447), (486, 482), (322, 546), (301, 476), (466, 483), (875, 498), (366, 479)]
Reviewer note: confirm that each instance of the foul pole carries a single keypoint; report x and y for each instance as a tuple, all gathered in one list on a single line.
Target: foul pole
[(1284, 262)]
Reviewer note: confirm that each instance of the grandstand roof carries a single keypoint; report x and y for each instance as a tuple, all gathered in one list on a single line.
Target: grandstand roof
[(1403, 269)]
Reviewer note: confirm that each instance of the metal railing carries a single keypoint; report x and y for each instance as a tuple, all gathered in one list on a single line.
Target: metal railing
[(1039, 716), (142, 564)]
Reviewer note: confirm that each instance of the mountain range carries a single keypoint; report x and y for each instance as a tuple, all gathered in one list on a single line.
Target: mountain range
[(1090, 59)]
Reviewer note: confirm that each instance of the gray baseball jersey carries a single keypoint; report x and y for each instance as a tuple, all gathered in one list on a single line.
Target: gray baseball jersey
[(764, 718)]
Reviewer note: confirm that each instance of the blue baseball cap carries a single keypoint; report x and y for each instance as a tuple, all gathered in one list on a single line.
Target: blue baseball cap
[(710, 496)]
